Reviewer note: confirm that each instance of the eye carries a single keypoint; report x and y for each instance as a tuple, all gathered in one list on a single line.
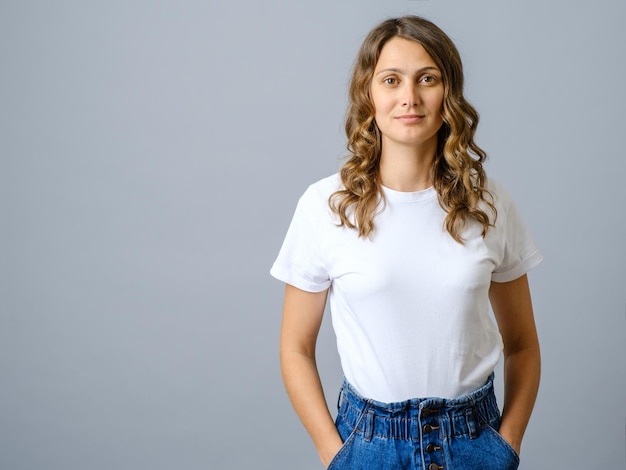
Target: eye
[(428, 80), (390, 81)]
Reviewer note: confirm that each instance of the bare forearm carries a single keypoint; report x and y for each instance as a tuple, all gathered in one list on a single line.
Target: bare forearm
[(522, 371), (305, 391)]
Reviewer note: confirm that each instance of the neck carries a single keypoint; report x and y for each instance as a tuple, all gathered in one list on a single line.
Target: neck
[(404, 168)]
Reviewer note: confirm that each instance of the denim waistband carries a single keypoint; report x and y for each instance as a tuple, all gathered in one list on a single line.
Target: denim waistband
[(411, 418)]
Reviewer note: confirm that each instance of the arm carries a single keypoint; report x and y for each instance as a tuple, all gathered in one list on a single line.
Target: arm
[(302, 317), (512, 306)]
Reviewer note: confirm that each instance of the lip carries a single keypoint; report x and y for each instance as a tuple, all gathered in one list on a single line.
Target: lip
[(410, 118)]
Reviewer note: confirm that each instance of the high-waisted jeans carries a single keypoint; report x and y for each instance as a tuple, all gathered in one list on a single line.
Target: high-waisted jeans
[(422, 433)]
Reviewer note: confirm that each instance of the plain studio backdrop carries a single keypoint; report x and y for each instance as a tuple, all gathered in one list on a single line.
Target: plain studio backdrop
[(152, 154)]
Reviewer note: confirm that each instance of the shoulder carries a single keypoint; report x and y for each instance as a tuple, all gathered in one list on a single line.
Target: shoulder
[(314, 202), (321, 190), (501, 196), (509, 217), (326, 186)]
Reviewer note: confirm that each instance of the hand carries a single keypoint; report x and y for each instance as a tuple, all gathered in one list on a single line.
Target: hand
[(329, 453), (515, 443)]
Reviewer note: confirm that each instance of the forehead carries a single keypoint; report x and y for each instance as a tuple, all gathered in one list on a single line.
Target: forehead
[(404, 53)]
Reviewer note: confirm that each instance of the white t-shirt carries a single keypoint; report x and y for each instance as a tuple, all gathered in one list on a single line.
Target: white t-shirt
[(409, 305)]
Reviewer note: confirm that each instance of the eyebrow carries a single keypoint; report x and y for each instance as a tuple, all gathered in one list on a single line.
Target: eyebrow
[(400, 71)]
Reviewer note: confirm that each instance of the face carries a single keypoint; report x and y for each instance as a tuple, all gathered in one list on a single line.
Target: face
[(407, 91)]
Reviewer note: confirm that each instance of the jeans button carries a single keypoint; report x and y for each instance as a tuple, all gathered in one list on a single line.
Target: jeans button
[(427, 428), (430, 448), (426, 412), (433, 466)]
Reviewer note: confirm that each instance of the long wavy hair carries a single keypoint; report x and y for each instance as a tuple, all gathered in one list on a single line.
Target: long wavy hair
[(458, 175)]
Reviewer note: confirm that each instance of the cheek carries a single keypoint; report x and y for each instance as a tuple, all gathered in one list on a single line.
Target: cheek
[(436, 105), (382, 105), (380, 100), (438, 102)]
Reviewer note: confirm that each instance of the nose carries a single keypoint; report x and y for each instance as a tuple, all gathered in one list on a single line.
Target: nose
[(410, 95)]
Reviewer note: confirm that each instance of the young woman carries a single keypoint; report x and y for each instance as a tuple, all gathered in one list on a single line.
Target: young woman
[(410, 242)]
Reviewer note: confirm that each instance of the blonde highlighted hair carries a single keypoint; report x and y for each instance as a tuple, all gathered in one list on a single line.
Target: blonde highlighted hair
[(459, 178)]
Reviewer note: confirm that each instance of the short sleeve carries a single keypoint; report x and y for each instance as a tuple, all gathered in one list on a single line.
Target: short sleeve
[(519, 252), (300, 262)]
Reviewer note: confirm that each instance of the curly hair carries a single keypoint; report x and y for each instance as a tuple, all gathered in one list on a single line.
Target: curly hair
[(458, 175)]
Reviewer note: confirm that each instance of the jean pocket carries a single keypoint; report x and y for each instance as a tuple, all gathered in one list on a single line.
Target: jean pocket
[(506, 447), (338, 460), (349, 434)]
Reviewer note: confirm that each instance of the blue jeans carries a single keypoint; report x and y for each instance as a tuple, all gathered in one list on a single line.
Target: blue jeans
[(422, 433)]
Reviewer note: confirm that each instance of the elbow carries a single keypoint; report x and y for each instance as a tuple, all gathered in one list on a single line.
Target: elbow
[(528, 348), (295, 353)]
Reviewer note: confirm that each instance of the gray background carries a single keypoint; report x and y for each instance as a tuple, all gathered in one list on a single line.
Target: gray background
[(152, 154)]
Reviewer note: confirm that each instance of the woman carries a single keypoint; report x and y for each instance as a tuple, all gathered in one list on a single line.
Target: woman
[(410, 242)]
